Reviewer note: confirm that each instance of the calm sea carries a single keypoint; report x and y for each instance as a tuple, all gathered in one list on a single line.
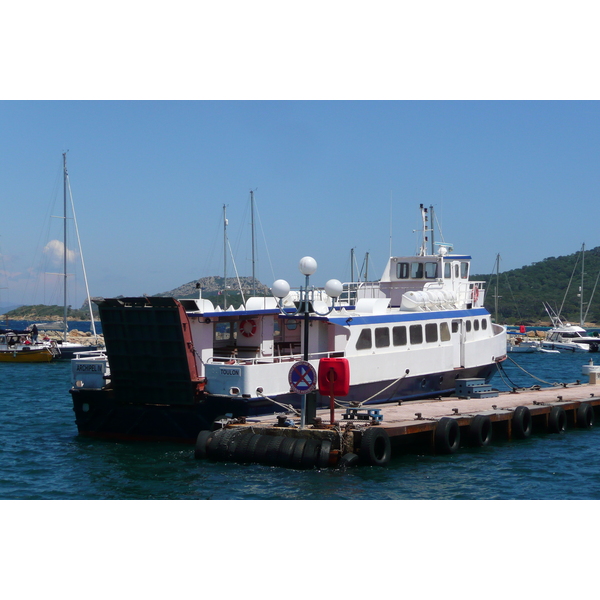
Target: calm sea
[(42, 457)]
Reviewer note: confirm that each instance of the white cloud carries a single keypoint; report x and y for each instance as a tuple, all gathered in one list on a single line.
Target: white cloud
[(54, 249)]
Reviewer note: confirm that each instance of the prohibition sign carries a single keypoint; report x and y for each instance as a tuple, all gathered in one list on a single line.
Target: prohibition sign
[(302, 377)]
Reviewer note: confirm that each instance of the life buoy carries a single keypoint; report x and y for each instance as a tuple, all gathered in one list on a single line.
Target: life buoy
[(248, 327), (475, 294)]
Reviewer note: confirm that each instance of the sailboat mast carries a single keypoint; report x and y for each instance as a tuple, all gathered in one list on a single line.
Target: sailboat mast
[(497, 282), (65, 246), (432, 228), (252, 222), (581, 287), (224, 256)]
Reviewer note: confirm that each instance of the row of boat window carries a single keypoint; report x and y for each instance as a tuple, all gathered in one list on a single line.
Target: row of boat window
[(416, 334), (429, 270)]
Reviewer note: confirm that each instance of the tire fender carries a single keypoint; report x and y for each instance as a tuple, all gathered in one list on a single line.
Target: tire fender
[(557, 420), (585, 416), (480, 431), (375, 447), (521, 422), (447, 436), (200, 451)]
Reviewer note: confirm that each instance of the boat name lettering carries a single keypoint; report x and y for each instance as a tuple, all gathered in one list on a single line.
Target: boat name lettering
[(230, 372), (93, 368)]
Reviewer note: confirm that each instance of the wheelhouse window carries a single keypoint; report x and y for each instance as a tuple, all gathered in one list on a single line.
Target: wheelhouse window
[(430, 270), (416, 334), (399, 335), (416, 270), (464, 270), (454, 326), (364, 341), (447, 270), (382, 337), (483, 323), (476, 324), (468, 325), (431, 332), (402, 270)]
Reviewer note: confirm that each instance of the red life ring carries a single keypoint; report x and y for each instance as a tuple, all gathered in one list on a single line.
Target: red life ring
[(248, 327), (475, 294)]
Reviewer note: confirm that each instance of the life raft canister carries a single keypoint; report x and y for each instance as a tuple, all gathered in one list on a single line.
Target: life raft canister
[(248, 327), (338, 370)]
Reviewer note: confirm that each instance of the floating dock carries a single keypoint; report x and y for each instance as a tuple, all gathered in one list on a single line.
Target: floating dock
[(372, 435)]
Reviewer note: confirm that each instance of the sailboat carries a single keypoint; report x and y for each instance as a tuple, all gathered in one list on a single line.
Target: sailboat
[(564, 336), (67, 350)]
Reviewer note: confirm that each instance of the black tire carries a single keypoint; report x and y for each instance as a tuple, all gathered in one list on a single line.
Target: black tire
[(324, 452), (213, 443), (200, 451), (249, 455), (447, 436), (297, 453), (557, 420), (480, 431), (310, 454), (522, 423), (260, 453), (286, 452), (375, 447), (585, 416), (222, 450), (272, 452), (349, 460), (241, 449)]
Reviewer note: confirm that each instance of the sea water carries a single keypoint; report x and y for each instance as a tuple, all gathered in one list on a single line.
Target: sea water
[(42, 457)]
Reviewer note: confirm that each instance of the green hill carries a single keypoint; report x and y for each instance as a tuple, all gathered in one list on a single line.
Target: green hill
[(522, 291)]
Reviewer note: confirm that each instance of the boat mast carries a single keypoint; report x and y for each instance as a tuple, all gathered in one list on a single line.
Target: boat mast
[(581, 286), (65, 246), (497, 285), (252, 223), (224, 257), (432, 229)]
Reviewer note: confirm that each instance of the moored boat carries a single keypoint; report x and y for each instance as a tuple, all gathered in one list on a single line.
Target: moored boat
[(17, 347), (176, 366)]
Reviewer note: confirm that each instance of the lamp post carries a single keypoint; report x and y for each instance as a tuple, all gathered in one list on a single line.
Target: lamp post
[(280, 290)]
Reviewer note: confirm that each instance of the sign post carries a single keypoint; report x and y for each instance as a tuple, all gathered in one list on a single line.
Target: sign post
[(303, 380)]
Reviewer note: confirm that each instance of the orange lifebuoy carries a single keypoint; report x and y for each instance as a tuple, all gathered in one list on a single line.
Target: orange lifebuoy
[(248, 327), (475, 294)]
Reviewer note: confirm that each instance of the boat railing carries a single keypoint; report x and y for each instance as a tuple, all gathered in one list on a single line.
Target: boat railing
[(262, 360)]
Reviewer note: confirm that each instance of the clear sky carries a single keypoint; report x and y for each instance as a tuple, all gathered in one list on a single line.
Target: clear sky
[(330, 171)]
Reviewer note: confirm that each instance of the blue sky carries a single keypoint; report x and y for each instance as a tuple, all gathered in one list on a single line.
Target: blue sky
[(150, 178), (341, 121)]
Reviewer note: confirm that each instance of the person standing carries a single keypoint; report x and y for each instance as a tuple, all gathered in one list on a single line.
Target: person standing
[(34, 334)]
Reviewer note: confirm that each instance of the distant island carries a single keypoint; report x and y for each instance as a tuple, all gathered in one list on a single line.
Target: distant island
[(512, 297)]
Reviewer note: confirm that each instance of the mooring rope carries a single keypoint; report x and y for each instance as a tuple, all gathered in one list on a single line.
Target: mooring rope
[(554, 384), (287, 407)]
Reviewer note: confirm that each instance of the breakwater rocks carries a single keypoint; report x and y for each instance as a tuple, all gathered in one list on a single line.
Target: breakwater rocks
[(87, 338)]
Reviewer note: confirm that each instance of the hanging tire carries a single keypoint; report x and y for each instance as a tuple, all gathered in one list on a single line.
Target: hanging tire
[(447, 436), (286, 452), (375, 447), (249, 455), (260, 454), (200, 451), (241, 449), (323, 457), (221, 449), (349, 460), (585, 416), (557, 420), (273, 450), (522, 422), (297, 453), (310, 454), (480, 431)]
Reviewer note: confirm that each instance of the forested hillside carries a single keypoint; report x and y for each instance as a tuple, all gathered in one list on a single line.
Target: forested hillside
[(552, 280)]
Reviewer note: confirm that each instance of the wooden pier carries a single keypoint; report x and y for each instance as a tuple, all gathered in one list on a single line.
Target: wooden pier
[(371, 435)]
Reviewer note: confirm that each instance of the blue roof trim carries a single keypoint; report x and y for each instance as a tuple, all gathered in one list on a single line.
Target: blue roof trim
[(404, 318), (233, 313)]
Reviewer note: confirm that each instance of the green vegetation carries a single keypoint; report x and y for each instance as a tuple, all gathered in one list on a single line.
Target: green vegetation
[(48, 312), (522, 291)]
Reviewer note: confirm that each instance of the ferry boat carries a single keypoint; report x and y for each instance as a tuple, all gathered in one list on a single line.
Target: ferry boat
[(177, 366)]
